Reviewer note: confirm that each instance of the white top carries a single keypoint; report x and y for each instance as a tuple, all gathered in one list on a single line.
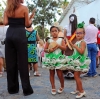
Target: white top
[(91, 34), (3, 30), (59, 41), (68, 29), (39, 50)]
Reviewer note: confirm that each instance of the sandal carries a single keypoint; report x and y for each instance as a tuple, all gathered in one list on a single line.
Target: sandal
[(36, 74), (60, 90), (80, 95), (74, 92), (53, 91)]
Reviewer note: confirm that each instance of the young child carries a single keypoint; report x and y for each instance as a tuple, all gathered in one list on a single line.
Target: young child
[(53, 57), (40, 50), (32, 37), (79, 62)]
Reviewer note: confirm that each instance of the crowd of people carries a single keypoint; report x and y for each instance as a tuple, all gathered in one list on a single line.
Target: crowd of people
[(25, 50)]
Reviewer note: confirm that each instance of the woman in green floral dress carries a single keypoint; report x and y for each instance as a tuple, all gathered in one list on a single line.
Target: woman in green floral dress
[(32, 38)]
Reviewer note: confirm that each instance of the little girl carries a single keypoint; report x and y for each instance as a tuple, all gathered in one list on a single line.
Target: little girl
[(53, 57), (79, 62), (32, 37), (40, 50)]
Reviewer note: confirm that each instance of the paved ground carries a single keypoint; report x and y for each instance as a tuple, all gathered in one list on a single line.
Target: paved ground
[(41, 87)]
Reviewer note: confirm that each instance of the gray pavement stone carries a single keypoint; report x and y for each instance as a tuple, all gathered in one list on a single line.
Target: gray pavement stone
[(42, 88), (1, 97)]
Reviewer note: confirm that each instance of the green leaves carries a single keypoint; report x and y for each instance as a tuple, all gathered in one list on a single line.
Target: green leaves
[(45, 13), (3, 3), (46, 10), (46, 32)]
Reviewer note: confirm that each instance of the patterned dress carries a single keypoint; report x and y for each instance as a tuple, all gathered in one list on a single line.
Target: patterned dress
[(77, 61), (54, 60), (32, 51)]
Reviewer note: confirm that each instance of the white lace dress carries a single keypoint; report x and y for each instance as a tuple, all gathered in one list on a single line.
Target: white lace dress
[(54, 60)]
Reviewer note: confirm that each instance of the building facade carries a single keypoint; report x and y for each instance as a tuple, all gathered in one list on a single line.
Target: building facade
[(80, 8)]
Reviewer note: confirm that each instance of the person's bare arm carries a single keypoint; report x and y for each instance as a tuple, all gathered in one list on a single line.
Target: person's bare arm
[(46, 47), (28, 21), (5, 18), (33, 13), (80, 49), (65, 33)]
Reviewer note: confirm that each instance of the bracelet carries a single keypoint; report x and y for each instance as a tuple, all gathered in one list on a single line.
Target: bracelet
[(29, 26)]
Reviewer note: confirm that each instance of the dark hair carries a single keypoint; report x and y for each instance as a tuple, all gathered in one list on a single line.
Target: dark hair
[(98, 27), (92, 20), (73, 23), (53, 27), (47, 39)]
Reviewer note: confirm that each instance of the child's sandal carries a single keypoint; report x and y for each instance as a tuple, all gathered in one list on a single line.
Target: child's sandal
[(60, 90), (53, 91), (74, 92), (37, 74)]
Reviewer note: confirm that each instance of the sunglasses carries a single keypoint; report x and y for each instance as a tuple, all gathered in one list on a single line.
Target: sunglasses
[(79, 32)]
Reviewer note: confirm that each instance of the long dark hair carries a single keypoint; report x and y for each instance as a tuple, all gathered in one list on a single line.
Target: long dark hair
[(73, 23)]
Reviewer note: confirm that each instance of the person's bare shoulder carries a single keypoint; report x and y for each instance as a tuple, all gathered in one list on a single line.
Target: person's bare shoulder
[(24, 7), (83, 43)]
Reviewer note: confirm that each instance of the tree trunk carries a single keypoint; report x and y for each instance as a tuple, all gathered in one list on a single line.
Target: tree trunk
[(43, 31)]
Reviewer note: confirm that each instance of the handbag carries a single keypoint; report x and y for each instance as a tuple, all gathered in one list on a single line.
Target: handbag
[(3, 42)]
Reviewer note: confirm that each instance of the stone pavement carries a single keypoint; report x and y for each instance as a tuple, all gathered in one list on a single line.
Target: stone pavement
[(42, 88)]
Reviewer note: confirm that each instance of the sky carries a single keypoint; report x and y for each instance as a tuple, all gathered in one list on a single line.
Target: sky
[(68, 0)]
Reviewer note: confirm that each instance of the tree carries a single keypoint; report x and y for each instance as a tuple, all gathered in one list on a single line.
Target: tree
[(46, 32), (2, 7), (45, 13), (64, 4)]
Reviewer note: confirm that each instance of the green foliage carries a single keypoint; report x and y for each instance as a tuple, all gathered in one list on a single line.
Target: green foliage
[(39, 28), (64, 4), (45, 12), (2, 8)]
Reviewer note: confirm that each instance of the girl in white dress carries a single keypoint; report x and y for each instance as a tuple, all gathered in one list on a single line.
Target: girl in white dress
[(54, 60)]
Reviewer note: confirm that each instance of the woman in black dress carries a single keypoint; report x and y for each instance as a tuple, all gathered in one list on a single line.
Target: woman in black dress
[(16, 16)]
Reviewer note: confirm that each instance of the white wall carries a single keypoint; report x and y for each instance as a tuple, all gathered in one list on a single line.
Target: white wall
[(91, 10), (77, 6), (84, 12)]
